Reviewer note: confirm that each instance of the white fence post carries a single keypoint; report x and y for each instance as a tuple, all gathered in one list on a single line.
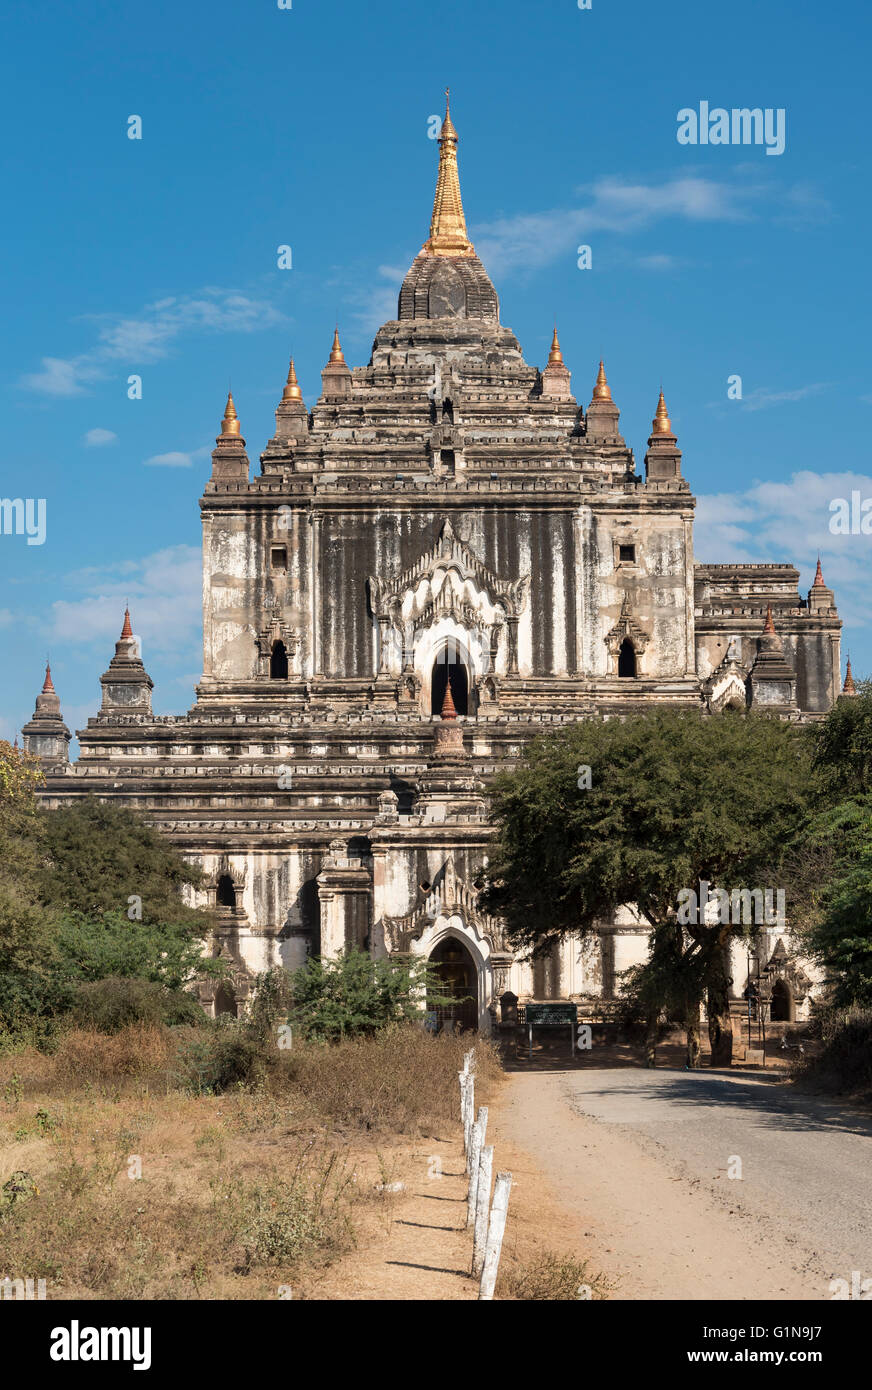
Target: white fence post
[(482, 1202), (469, 1118), (479, 1130), (495, 1230)]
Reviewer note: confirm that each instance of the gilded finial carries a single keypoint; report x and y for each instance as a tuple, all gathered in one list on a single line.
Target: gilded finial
[(336, 353), (555, 356), (602, 390), (819, 576), (769, 626), (230, 423), (47, 686), (292, 390), (127, 630), (661, 423), (448, 224)]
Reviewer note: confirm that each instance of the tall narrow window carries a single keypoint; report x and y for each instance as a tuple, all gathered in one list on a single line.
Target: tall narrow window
[(278, 662), (626, 659), (226, 895)]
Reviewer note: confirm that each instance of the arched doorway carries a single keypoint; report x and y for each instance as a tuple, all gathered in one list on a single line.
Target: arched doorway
[(457, 978), (278, 662), (450, 663), (225, 1000), (226, 894), (626, 659), (781, 1009)]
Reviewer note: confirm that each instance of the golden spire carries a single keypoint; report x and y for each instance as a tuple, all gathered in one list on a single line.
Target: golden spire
[(602, 390), (230, 423), (336, 353), (555, 356), (292, 390), (448, 224), (769, 626), (127, 630), (819, 576), (849, 688), (48, 687), (661, 423)]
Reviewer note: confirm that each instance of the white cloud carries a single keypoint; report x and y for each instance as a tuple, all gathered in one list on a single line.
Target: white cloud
[(96, 438), (148, 336), (6, 617), (613, 204), (58, 378), (781, 522), (175, 459), (762, 396), (165, 594)]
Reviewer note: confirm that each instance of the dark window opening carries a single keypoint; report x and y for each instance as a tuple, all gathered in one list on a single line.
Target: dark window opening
[(448, 460), (627, 552), (279, 557), (226, 895), (448, 411), (626, 659), (442, 670), (278, 662)]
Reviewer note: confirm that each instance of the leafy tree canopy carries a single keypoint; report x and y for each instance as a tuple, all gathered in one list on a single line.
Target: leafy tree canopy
[(674, 798)]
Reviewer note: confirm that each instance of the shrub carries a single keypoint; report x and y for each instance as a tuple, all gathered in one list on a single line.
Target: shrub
[(217, 1058), (115, 1002), (843, 1062)]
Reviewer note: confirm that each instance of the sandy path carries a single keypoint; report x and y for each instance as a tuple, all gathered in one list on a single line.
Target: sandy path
[(653, 1227), (419, 1248)]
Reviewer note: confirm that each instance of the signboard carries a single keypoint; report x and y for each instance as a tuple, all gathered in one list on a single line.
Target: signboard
[(551, 1015)]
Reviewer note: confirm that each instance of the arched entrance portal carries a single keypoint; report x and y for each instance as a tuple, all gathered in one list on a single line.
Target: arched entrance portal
[(450, 662), (457, 978), (781, 1009)]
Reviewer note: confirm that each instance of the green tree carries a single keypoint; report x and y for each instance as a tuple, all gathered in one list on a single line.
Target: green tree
[(27, 956), (356, 994), (100, 856), (676, 798), (831, 862)]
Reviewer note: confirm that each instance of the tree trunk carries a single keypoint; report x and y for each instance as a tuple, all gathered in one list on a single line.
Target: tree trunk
[(720, 1023), (693, 1045), (651, 1040)]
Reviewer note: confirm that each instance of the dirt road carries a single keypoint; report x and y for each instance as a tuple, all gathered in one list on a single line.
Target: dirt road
[(631, 1168)]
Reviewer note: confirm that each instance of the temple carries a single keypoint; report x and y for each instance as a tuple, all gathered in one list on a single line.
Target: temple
[(446, 556)]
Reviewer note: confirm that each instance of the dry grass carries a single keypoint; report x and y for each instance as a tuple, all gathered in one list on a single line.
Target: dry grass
[(243, 1194), (550, 1277)]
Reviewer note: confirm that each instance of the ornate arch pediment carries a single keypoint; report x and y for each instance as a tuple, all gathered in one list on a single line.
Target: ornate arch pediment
[(275, 630), (627, 627), (449, 583), (449, 896), (449, 575)]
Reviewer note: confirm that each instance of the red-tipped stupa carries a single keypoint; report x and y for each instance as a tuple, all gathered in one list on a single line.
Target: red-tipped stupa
[(47, 687), (769, 626), (819, 576), (127, 630), (448, 710)]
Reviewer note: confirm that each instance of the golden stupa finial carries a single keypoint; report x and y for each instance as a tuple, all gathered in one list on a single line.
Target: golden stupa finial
[(292, 390), (336, 353), (661, 423), (230, 423), (602, 390), (555, 356), (849, 688), (448, 224)]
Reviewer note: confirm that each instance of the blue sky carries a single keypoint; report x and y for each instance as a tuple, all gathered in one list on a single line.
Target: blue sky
[(309, 127)]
